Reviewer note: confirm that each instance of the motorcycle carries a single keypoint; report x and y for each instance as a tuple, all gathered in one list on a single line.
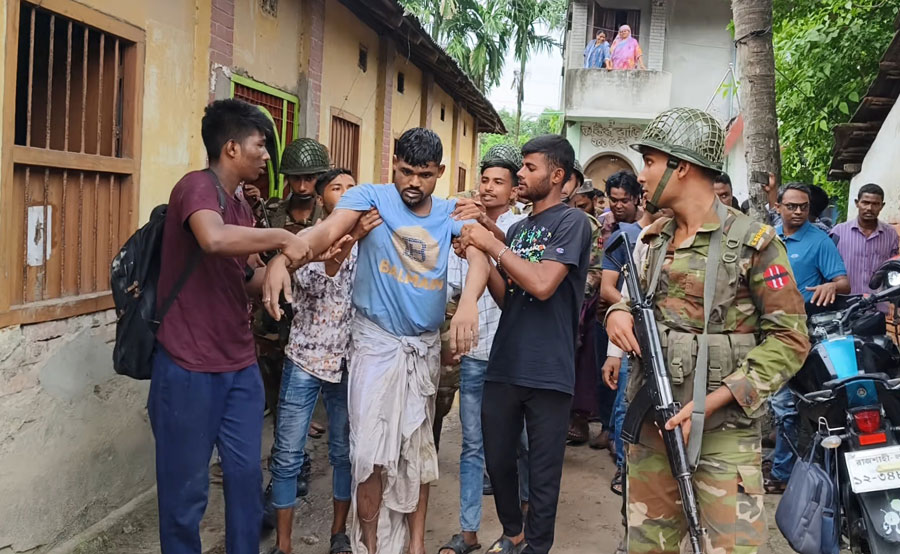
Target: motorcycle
[(848, 390)]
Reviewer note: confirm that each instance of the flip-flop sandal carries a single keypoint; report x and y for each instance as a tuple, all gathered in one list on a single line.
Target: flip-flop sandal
[(458, 545), (616, 485), (340, 544), (505, 546), (774, 486), (316, 430)]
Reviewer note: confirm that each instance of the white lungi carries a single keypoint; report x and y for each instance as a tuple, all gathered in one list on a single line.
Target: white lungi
[(392, 386)]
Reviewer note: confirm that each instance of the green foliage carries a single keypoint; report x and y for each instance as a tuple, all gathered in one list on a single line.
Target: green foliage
[(826, 55), (549, 122)]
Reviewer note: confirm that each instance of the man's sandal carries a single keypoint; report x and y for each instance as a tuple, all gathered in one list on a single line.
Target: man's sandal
[(340, 544), (617, 483), (458, 545), (506, 546)]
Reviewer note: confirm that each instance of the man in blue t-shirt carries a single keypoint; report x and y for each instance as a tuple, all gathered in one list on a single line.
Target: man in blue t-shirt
[(399, 294), (821, 276)]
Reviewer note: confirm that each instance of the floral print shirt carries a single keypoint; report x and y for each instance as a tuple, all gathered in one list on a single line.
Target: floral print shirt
[(320, 331)]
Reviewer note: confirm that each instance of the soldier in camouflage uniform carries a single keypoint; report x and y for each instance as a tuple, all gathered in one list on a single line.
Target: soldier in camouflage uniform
[(302, 162), (747, 327)]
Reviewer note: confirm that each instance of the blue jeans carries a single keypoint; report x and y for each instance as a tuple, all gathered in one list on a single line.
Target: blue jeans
[(296, 402), (471, 458), (785, 424), (618, 414), (190, 412)]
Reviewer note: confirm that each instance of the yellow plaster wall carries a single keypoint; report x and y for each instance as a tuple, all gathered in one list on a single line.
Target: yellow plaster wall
[(406, 108), (266, 48), (176, 81), (445, 130), (465, 154), (345, 86)]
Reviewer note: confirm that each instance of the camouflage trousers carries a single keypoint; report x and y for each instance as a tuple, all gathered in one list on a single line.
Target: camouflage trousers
[(728, 485)]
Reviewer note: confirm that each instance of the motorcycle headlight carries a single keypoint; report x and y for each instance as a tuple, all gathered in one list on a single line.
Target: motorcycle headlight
[(893, 278)]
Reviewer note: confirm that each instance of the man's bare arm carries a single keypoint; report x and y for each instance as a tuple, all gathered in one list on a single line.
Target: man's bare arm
[(220, 239), (609, 292), (464, 325), (497, 287)]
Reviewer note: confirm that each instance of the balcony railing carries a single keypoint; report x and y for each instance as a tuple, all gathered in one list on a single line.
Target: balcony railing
[(598, 93)]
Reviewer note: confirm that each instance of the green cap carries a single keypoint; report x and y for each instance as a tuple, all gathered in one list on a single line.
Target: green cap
[(505, 154), (688, 134), (305, 156)]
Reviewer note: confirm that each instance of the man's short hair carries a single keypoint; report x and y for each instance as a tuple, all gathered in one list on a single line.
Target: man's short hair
[(626, 180), (870, 188), (231, 119), (419, 146), (793, 186), (329, 176), (557, 150), (723, 178), (818, 200), (513, 170)]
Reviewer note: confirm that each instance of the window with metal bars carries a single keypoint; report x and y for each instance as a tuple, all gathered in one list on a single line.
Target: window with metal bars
[(345, 144), (70, 177), (461, 184), (283, 107)]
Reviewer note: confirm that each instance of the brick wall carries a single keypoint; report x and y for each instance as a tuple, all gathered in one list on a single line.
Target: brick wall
[(657, 43), (221, 42), (316, 13)]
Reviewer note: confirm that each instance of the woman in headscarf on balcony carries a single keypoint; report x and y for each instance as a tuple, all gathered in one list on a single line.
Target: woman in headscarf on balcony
[(596, 55), (626, 52)]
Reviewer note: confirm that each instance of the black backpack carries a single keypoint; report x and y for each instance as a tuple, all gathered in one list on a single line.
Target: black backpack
[(133, 277)]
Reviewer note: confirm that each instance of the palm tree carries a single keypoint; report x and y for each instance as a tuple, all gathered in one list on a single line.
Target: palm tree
[(478, 38), (527, 16)]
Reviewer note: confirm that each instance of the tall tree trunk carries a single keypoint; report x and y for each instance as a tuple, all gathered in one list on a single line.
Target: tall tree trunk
[(756, 58), (520, 95)]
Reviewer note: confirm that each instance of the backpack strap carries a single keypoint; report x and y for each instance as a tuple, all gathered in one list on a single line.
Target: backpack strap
[(194, 261)]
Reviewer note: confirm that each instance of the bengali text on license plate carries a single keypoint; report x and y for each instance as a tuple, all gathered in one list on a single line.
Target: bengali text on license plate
[(874, 470)]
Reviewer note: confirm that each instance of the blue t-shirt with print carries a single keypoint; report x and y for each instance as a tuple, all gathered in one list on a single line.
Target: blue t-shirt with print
[(401, 274)]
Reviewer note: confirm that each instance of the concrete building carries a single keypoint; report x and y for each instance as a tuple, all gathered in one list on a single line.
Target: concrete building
[(687, 50), (867, 148), (102, 101)]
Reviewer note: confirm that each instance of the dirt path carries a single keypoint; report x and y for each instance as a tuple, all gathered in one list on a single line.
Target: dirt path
[(588, 520)]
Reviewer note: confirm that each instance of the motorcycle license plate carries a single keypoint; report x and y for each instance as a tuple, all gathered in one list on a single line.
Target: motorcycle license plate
[(874, 470)]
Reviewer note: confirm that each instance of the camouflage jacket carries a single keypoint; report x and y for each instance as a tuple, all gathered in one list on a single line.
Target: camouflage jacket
[(757, 324), (278, 215), (592, 285)]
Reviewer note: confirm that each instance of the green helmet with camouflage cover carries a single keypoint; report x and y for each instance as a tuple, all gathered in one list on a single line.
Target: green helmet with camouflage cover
[(686, 134), (305, 156), (506, 155)]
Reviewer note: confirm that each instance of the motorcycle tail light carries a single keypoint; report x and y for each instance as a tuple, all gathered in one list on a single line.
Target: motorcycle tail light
[(867, 421)]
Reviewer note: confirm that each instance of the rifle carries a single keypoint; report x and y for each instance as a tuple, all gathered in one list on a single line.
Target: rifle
[(656, 394)]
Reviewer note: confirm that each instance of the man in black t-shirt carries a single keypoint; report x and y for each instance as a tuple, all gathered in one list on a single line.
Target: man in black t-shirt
[(538, 282)]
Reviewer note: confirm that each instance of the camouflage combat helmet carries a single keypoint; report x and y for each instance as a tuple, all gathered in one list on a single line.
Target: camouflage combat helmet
[(686, 134), (305, 156), (505, 154)]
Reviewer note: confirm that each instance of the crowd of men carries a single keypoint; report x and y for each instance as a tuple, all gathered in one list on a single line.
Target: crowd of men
[(385, 300)]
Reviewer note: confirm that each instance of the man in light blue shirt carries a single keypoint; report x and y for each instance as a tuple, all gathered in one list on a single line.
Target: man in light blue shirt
[(399, 293), (820, 275)]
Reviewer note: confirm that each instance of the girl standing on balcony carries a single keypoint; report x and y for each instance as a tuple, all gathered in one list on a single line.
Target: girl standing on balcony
[(626, 52)]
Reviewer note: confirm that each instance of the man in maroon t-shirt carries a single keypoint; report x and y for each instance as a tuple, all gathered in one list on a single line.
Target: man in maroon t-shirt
[(206, 388)]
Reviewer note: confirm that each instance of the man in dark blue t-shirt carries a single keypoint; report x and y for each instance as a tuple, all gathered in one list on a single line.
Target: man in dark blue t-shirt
[(538, 282)]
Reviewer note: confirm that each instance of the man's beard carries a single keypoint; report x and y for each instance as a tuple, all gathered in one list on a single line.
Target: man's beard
[(539, 192)]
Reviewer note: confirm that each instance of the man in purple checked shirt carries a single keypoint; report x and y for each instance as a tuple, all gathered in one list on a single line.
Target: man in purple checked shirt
[(865, 242)]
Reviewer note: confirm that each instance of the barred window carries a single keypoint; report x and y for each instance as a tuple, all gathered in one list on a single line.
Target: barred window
[(70, 178), (345, 143)]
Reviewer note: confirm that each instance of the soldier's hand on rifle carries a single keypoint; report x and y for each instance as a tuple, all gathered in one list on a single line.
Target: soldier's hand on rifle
[(610, 372), (251, 193), (620, 327), (682, 418), (277, 280)]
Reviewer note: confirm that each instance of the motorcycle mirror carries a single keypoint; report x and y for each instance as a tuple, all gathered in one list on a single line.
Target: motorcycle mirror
[(831, 442)]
